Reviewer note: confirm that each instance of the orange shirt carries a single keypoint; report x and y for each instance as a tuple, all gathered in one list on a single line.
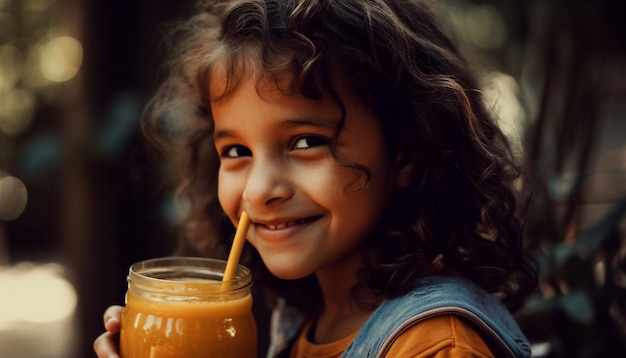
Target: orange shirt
[(445, 336)]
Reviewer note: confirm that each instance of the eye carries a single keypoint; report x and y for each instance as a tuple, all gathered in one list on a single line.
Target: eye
[(236, 151), (309, 142)]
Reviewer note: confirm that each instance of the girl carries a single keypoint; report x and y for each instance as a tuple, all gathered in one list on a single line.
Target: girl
[(378, 185)]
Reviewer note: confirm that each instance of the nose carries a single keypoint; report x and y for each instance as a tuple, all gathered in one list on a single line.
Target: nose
[(267, 183)]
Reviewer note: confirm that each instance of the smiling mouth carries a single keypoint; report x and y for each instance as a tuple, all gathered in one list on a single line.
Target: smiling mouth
[(282, 226)]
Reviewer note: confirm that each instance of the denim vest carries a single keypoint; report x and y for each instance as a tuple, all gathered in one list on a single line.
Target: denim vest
[(438, 295)]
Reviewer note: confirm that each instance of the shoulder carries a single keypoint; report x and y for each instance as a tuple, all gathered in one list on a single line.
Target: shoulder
[(441, 296), (446, 335)]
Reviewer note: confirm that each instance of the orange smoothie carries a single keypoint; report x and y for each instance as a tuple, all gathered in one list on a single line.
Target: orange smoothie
[(187, 318)]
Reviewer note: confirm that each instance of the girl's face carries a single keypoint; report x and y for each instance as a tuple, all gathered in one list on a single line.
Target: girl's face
[(277, 166)]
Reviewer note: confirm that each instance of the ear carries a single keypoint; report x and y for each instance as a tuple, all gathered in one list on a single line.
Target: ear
[(405, 169)]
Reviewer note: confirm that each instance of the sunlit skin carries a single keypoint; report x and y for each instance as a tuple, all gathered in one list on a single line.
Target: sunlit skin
[(276, 165)]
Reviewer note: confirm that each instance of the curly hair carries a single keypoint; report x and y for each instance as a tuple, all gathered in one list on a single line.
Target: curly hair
[(460, 214)]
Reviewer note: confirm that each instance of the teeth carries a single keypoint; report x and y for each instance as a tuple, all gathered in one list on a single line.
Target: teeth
[(285, 225)]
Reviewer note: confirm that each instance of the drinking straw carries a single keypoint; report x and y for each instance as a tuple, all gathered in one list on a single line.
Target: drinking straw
[(235, 250)]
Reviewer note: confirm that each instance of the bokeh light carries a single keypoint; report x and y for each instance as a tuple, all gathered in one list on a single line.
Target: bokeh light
[(16, 111), (33, 77), (38, 5), (11, 66), (8, 26), (35, 293), (485, 27), (501, 96), (61, 58), (475, 27)]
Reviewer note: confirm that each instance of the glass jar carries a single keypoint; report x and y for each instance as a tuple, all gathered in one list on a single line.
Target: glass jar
[(178, 307)]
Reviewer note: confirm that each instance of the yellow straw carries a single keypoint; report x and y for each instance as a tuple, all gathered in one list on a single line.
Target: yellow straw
[(235, 250)]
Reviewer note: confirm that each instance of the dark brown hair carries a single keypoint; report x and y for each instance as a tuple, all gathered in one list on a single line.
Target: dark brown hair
[(460, 214)]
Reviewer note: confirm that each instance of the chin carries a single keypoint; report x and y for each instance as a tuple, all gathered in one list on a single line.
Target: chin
[(288, 272)]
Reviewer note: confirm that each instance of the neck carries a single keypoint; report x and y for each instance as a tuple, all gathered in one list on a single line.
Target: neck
[(336, 291), (340, 316)]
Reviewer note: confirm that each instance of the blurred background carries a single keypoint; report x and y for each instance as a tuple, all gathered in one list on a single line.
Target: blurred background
[(80, 198)]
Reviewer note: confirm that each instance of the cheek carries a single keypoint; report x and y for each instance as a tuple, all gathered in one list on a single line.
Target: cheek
[(325, 183), (337, 189), (227, 190)]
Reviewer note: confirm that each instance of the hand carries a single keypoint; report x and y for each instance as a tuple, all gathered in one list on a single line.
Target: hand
[(107, 344)]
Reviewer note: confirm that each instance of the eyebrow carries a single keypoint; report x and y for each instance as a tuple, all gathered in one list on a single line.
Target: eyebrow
[(289, 123), (311, 122)]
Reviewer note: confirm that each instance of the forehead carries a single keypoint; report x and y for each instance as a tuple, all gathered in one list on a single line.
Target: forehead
[(266, 96), (337, 100), (226, 76)]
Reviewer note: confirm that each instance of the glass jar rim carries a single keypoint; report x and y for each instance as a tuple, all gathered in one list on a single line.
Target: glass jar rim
[(202, 274)]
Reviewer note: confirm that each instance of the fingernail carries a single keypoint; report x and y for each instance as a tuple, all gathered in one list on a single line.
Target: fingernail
[(111, 319)]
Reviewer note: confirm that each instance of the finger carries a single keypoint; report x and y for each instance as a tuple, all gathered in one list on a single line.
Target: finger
[(113, 312), (105, 346), (112, 318)]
